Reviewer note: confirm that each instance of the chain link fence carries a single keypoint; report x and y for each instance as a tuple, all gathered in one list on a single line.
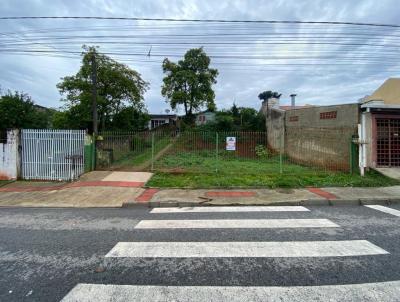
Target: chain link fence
[(298, 152)]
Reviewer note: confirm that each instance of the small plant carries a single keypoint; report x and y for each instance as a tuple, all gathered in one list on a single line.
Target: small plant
[(261, 151)]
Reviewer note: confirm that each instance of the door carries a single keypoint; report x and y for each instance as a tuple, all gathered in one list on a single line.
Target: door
[(388, 142)]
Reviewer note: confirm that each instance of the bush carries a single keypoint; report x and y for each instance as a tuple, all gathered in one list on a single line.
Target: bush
[(262, 151)]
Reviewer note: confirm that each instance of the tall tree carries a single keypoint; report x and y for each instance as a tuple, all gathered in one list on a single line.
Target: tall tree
[(189, 82), (17, 110), (268, 95), (118, 87)]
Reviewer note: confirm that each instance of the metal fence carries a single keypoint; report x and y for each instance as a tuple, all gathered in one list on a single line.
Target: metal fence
[(130, 151), (52, 154), (298, 152)]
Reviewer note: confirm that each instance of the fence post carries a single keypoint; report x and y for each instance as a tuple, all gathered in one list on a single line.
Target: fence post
[(280, 155), (93, 149), (152, 151), (216, 152)]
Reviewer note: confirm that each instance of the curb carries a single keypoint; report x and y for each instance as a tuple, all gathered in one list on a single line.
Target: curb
[(306, 202)]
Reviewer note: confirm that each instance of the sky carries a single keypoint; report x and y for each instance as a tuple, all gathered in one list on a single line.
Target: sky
[(351, 62)]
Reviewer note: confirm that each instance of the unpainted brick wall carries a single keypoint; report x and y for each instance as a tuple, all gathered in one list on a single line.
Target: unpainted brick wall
[(316, 136)]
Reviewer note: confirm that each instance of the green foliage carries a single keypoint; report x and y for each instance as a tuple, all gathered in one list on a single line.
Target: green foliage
[(189, 82), (261, 151), (120, 93), (236, 119), (130, 119), (269, 94), (17, 110)]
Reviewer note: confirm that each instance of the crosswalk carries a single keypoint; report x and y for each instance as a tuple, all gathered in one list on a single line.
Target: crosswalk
[(384, 209), (268, 249)]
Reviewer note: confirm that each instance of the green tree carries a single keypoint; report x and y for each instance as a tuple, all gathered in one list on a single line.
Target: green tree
[(17, 110), (269, 94), (189, 82), (118, 87), (130, 118)]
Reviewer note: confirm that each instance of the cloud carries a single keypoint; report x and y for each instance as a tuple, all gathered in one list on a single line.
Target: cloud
[(240, 80)]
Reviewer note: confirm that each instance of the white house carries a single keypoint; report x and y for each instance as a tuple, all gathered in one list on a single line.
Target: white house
[(204, 117)]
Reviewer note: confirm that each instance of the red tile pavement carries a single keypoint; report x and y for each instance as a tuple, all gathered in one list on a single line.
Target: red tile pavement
[(322, 193), (230, 194), (125, 184), (147, 195)]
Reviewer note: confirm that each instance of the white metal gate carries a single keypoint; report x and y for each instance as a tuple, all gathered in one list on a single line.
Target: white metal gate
[(52, 154)]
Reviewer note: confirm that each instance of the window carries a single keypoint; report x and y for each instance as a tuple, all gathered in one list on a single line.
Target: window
[(294, 118), (157, 123), (328, 115)]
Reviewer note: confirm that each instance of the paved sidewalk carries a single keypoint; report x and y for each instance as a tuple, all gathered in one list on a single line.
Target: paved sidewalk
[(310, 196), (116, 189), (94, 189)]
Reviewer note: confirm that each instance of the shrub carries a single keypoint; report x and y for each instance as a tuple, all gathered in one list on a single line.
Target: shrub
[(262, 151)]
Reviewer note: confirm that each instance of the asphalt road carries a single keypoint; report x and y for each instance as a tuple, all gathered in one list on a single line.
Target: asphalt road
[(46, 253)]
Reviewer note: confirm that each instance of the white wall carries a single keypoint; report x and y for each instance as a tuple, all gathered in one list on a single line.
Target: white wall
[(8, 156)]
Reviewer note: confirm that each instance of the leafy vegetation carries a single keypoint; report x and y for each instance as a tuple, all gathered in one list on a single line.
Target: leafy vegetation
[(189, 82), (120, 93), (266, 95), (236, 119), (17, 110)]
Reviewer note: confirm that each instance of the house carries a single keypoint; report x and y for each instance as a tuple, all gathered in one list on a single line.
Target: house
[(204, 117), (324, 135), (379, 130), (157, 120)]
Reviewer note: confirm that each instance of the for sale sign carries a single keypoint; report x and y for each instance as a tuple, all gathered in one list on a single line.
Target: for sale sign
[(231, 143)]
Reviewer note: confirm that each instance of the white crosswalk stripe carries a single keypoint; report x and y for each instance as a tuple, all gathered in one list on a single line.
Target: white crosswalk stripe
[(382, 292), (385, 209), (229, 209), (276, 249), (125, 251), (235, 223)]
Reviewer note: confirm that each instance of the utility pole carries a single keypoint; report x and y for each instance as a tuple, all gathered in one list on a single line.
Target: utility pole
[(94, 109), (94, 94)]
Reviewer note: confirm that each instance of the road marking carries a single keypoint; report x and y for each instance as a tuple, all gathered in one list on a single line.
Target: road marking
[(230, 209), (382, 292), (245, 249), (235, 223), (385, 209)]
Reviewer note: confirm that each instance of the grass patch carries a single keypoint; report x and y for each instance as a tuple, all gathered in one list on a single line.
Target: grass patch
[(227, 163), (193, 180), (136, 158), (197, 170), (4, 182)]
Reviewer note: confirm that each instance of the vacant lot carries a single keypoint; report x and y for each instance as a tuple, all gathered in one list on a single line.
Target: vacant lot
[(201, 170)]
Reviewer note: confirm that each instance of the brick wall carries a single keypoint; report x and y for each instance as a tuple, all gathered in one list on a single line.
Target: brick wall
[(317, 136)]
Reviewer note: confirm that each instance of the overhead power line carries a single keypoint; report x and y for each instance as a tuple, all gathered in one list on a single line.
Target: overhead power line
[(201, 20)]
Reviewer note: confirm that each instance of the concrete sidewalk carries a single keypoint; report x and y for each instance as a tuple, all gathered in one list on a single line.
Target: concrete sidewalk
[(126, 189), (306, 196), (94, 189)]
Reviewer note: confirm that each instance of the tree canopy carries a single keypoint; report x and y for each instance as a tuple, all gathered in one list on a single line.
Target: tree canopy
[(189, 82), (120, 90), (236, 119), (17, 110), (269, 94)]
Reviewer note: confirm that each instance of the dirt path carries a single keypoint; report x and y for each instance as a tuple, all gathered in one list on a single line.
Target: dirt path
[(145, 166)]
